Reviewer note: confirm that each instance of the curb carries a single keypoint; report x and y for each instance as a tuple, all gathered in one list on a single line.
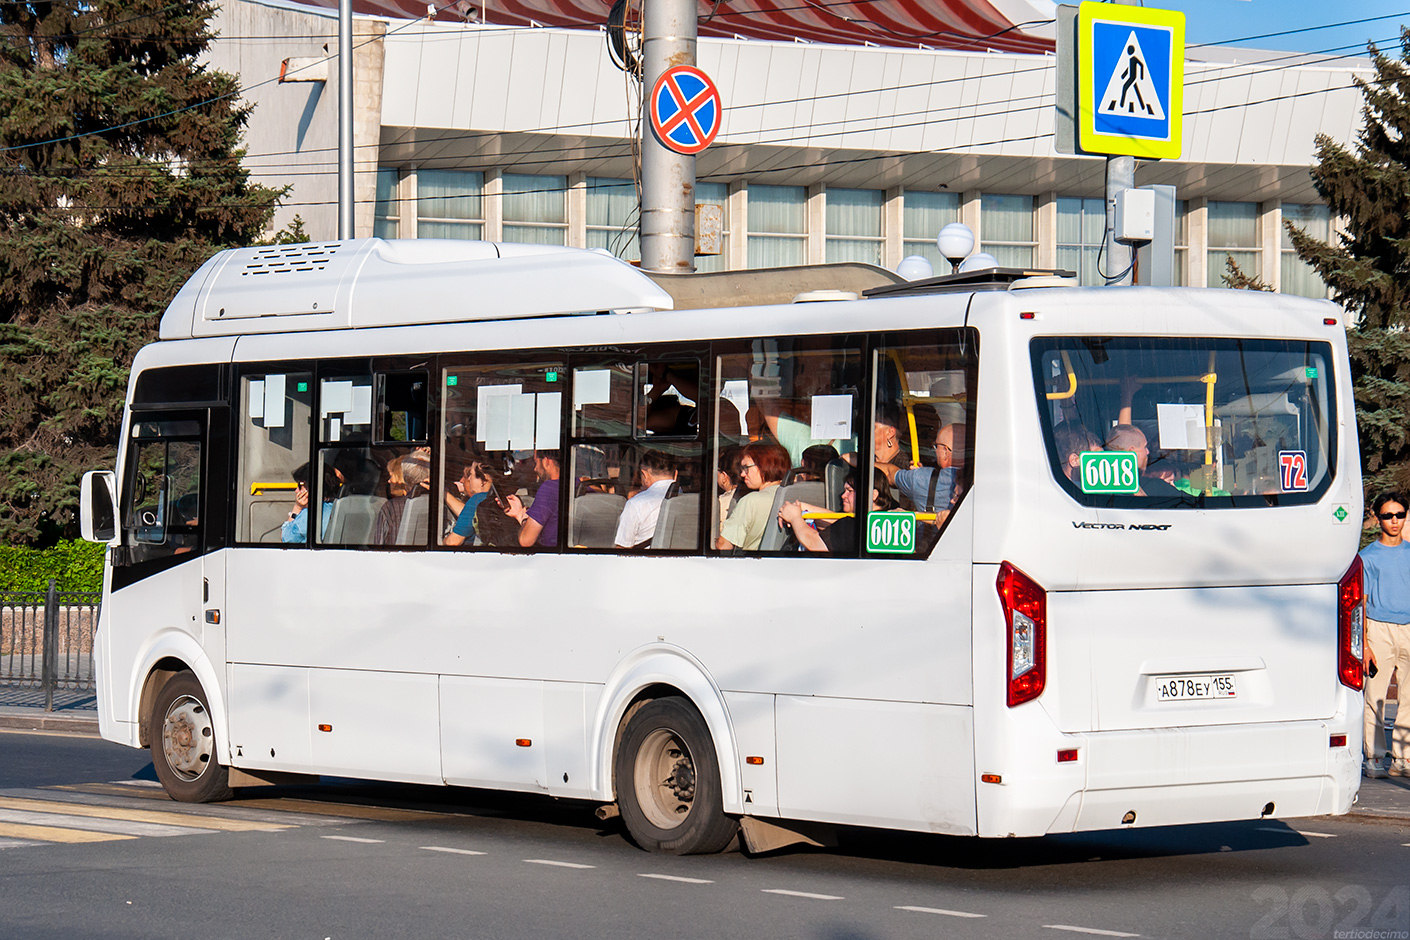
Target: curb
[(31, 719)]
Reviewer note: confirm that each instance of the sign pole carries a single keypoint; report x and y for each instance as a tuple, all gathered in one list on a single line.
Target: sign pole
[(667, 177), (1120, 174), (345, 120)]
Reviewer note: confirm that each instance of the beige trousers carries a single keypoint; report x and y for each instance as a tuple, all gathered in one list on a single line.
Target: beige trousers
[(1390, 643)]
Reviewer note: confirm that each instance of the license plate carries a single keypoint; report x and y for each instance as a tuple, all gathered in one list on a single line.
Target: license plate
[(1194, 688)]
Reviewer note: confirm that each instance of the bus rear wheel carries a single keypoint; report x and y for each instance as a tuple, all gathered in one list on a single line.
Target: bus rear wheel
[(668, 781), (182, 737)]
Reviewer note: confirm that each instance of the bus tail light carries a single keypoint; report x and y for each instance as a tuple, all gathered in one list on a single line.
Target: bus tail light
[(1351, 626), (1026, 613)]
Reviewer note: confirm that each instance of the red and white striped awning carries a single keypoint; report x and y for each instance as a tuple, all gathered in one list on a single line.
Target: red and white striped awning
[(967, 25)]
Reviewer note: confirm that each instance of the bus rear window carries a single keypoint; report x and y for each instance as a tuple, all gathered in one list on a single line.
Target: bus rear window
[(1137, 422)]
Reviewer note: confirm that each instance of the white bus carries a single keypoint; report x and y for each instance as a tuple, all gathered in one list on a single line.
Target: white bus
[(377, 513)]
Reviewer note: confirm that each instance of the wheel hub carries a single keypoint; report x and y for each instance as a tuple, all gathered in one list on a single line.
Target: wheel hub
[(665, 779), (188, 741)]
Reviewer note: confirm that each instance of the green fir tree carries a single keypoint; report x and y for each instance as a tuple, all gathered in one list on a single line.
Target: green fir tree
[(119, 175), (1368, 268)]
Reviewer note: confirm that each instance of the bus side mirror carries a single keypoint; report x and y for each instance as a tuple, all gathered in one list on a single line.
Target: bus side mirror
[(97, 516)]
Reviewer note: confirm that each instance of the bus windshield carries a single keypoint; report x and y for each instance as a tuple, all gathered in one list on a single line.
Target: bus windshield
[(1169, 423)]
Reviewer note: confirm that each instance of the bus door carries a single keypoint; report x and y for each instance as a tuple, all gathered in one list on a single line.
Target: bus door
[(166, 573)]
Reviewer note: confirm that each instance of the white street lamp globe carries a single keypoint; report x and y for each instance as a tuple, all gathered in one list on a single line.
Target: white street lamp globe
[(914, 268), (955, 241), (980, 262)]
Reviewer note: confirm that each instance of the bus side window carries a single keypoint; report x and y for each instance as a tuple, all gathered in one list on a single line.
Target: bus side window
[(923, 401), (276, 414), (505, 420)]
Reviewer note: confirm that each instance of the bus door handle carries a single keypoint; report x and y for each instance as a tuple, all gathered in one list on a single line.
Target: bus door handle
[(212, 615)]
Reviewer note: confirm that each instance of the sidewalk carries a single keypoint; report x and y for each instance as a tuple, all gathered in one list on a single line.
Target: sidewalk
[(22, 709)]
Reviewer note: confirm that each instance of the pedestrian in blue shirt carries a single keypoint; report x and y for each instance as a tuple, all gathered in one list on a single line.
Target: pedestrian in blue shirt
[(1386, 574)]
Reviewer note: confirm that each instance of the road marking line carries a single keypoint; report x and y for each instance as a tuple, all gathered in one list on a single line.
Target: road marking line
[(119, 826), (446, 848), (549, 861), (803, 894), (1301, 832), (54, 834), (689, 881), (939, 910), (152, 784), (16, 843), (355, 839), (1092, 930), (140, 815), (278, 804), (141, 800)]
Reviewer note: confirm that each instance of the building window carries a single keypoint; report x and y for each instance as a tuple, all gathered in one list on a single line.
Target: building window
[(854, 225), (1182, 242), (613, 217), (1298, 277), (778, 226), (536, 209), (450, 204), (387, 214), (1233, 233), (1081, 225), (923, 215), (716, 194), (1006, 224)]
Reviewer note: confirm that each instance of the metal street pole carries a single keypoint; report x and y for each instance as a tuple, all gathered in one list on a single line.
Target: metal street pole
[(667, 177), (1120, 174), (345, 120)]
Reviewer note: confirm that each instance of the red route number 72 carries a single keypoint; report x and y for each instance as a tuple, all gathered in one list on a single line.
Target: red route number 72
[(1294, 466)]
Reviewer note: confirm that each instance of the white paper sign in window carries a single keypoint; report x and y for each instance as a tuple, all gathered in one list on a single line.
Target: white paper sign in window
[(736, 392), (549, 420), (336, 399), (274, 401), (591, 387), (832, 417), (1181, 427), (256, 396), (360, 409), (492, 404)]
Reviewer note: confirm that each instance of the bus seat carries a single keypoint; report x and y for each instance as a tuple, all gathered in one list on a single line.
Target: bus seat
[(809, 491), (351, 520), (594, 520), (412, 529), (835, 476), (678, 523)]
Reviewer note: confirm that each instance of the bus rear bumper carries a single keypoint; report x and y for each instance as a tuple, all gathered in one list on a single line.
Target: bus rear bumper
[(1177, 776)]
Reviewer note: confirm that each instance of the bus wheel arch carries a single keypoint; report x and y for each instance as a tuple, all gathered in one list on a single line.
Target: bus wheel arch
[(651, 673), (158, 676)]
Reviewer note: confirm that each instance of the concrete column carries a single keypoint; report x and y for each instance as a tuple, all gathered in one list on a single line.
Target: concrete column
[(369, 53), (893, 228), (817, 224), (969, 215), (407, 210), (1046, 230), (667, 177), (1270, 240), (577, 210), (738, 258), (494, 205), (1198, 228)]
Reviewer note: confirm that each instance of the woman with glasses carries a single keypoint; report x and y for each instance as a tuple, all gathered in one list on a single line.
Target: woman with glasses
[(839, 536), (762, 466), (1386, 574)]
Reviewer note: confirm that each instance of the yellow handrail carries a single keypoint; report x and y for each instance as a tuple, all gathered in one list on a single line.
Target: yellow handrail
[(1071, 381), (257, 488)]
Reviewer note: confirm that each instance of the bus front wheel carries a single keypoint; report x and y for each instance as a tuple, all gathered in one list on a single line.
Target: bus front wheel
[(182, 737), (668, 781)]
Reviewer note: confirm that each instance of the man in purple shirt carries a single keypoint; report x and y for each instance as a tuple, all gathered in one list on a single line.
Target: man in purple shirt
[(539, 523)]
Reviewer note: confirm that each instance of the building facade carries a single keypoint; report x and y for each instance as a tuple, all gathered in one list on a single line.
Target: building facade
[(828, 152)]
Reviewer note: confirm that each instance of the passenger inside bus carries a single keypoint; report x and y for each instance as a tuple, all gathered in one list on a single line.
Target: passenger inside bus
[(538, 524), (474, 485), (1073, 440), (762, 467), (401, 518), (637, 524), (932, 489), (1130, 438), (295, 528), (886, 446), (840, 535)]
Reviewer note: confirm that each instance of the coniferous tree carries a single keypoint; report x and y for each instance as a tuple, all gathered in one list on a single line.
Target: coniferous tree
[(1368, 269), (119, 175)]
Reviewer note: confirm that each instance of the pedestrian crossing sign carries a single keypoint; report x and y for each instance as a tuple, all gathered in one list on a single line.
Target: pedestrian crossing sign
[(1130, 80)]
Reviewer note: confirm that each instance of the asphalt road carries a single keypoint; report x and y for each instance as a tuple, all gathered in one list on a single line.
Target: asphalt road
[(350, 860)]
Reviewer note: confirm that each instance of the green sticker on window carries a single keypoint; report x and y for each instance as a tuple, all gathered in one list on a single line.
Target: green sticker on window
[(1110, 472), (551, 376), (891, 533), (452, 380), (303, 386), (1312, 372)]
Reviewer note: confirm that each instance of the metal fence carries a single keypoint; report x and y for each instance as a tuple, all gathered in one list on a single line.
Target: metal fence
[(46, 640)]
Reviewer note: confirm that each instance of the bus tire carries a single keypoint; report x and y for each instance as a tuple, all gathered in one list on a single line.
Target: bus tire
[(182, 736), (668, 781)]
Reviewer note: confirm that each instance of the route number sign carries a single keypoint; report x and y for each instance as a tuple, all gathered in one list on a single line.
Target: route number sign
[(891, 533)]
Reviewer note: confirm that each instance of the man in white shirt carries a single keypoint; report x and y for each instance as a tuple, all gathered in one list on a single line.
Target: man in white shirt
[(637, 523)]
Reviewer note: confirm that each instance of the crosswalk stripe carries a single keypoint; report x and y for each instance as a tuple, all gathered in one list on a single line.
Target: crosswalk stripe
[(17, 843), (228, 810), (55, 834), (118, 826), (314, 807), (139, 816)]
